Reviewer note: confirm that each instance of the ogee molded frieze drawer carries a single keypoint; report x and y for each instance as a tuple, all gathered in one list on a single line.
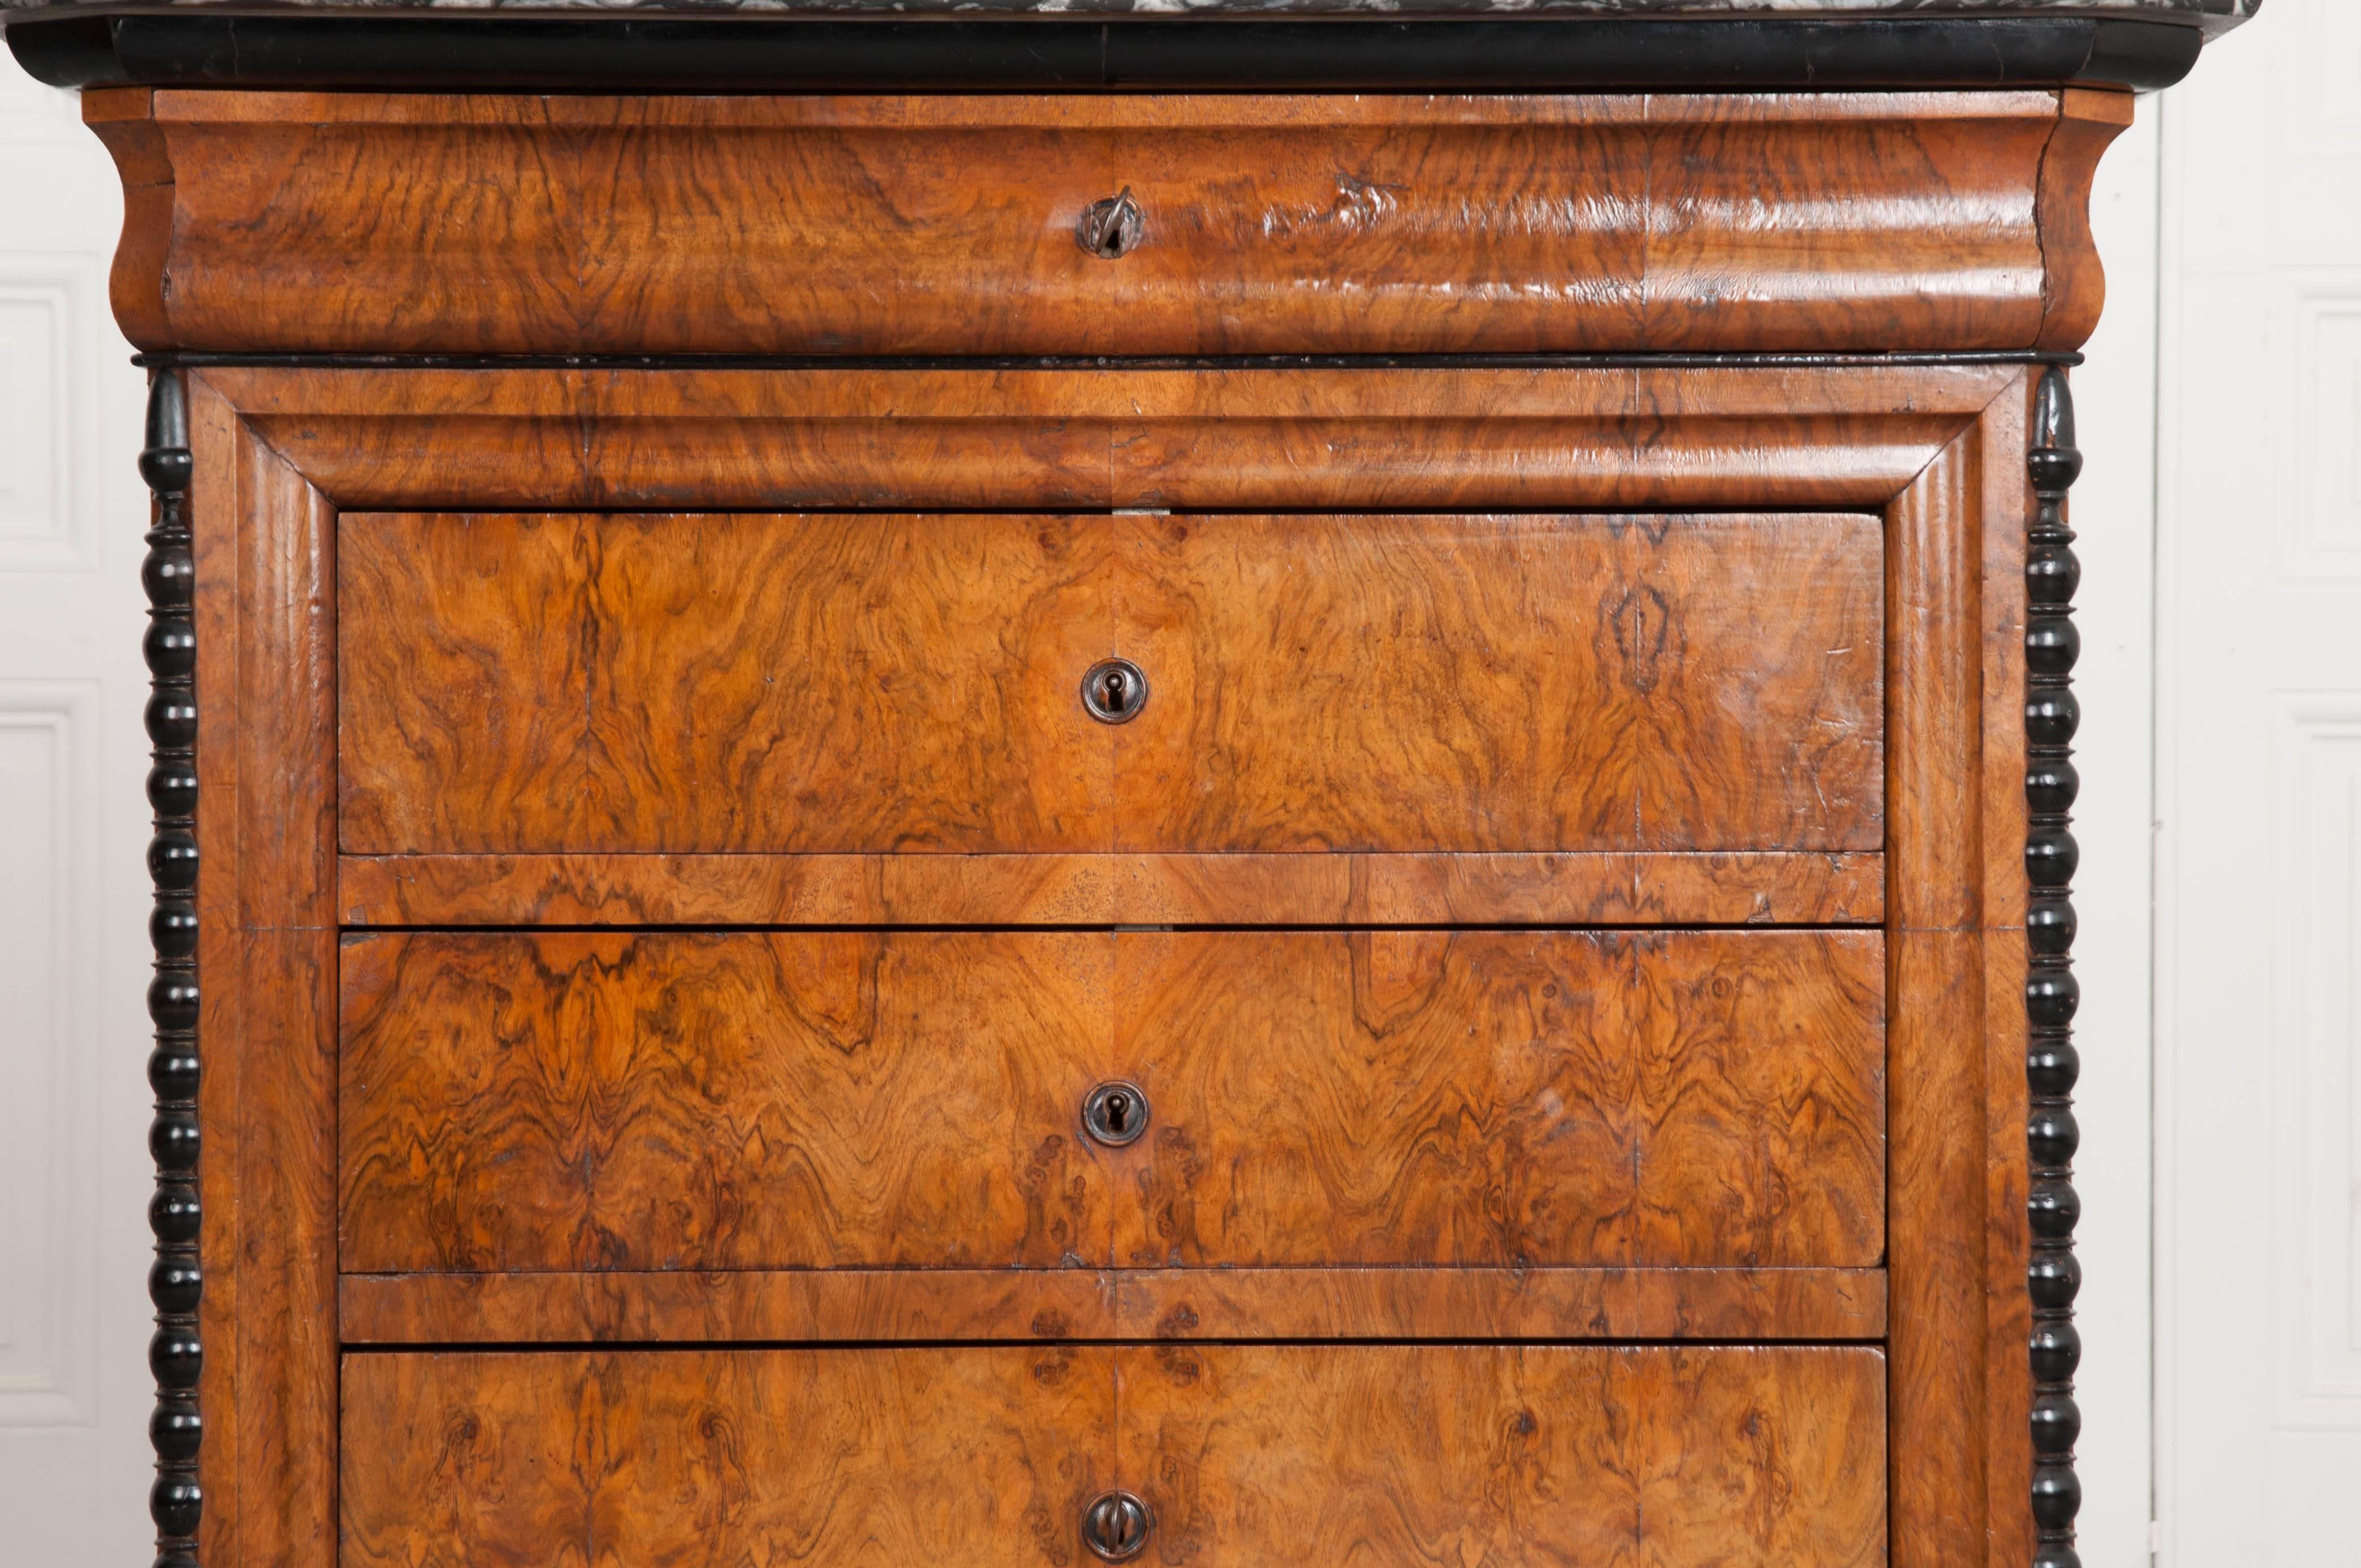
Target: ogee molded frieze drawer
[(1356, 223)]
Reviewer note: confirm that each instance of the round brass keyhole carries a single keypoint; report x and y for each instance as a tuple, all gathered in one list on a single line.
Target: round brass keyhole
[(1116, 1525), (1115, 691), (1115, 1114)]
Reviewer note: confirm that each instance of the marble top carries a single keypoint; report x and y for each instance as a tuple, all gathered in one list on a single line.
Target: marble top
[(2214, 15)]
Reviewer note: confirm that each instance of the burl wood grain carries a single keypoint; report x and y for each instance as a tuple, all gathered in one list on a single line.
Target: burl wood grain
[(863, 684), (976, 1456), (566, 1100), (1520, 1303), (1771, 888), (1505, 1097), (1736, 1457), (882, 1306), (710, 682), (1450, 1453), (1501, 683), (588, 1101), (945, 225)]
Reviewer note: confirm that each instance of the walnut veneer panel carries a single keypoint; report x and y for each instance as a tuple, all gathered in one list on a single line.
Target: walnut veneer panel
[(586, 1102), (884, 1305), (1502, 682), (861, 684), (1506, 1098), (682, 1102), (988, 1455), (1737, 1457), (421, 223), (722, 683), (1341, 889), (973, 1455)]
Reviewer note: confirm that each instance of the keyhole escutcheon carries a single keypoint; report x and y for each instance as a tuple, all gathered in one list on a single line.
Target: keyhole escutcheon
[(1115, 1114), (1115, 690), (1110, 228), (1116, 1526)]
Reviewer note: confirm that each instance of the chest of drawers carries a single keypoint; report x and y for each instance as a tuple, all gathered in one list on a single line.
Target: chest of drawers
[(1036, 828)]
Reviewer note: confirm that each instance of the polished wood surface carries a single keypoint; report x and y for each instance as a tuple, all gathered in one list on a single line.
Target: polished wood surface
[(1777, 888), (1244, 1453), (1504, 1098), (1938, 1050), (688, 1102), (1369, 436), (266, 756), (1457, 1453), (650, 1102), (2088, 120), (874, 1306), (864, 684), (837, 682), (421, 223), (973, 1455), (2003, 436), (1693, 682), (1520, 1303)]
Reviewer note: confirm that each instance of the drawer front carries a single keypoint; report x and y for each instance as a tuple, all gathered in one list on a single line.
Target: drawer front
[(670, 1100), (1509, 1454), (825, 224), (881, 684), (1242, 1454), (831, 1458)]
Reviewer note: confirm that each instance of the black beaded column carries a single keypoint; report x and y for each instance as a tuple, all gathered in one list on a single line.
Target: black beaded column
[(175, 1355), (2053, 1275)]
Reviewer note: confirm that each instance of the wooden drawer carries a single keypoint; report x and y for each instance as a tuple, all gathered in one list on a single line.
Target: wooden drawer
[(1354, 224), (1242, 1454), (648, 1101), (880, 683)]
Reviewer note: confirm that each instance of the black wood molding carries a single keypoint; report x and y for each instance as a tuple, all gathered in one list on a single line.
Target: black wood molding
[(164, 45), (2053, 1274), (175, 1284)]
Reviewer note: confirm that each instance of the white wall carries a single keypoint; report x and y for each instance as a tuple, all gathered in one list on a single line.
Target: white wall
[(74, 1174), (2220, 522), (2258, 800), (2113, 509)]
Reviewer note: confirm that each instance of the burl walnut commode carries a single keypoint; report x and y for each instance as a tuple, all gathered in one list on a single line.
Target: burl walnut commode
[(1004, 784)]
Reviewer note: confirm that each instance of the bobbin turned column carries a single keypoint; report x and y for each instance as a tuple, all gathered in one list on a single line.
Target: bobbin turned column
[(175, 1283), (2051, 993)]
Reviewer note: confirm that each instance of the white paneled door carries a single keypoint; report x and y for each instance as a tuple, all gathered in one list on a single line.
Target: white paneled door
[(74, 1171), (2258, 796)]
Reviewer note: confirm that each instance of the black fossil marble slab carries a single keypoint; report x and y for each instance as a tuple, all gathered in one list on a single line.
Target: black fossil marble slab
[(1114, 45)]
